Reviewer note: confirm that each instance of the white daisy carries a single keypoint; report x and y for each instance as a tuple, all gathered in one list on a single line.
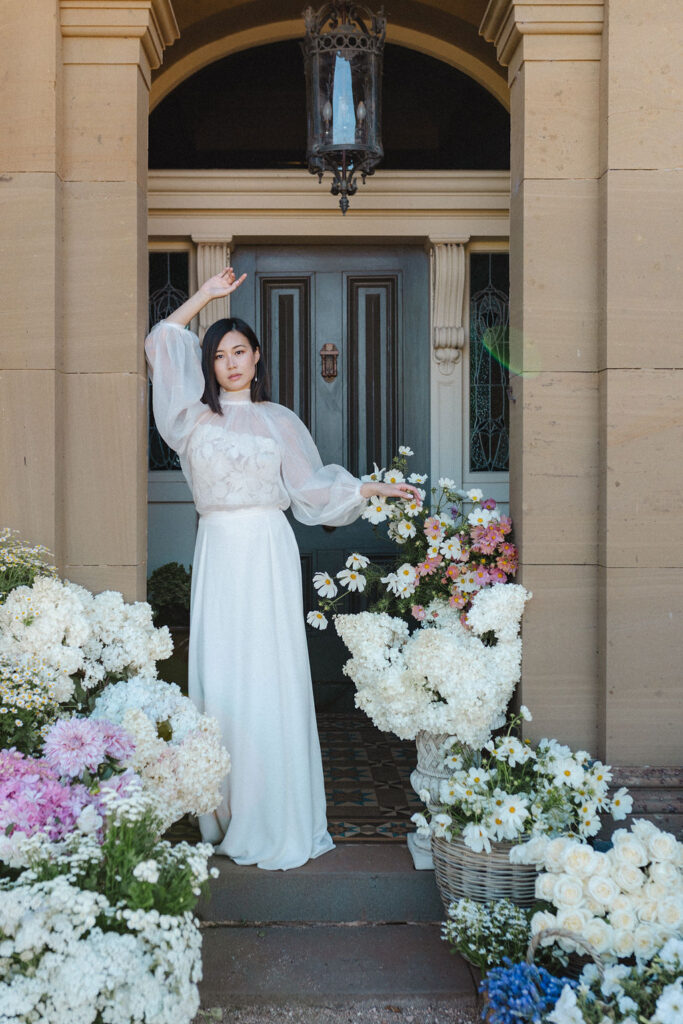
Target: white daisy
[(417, 478), (317, 620), (451, 548), (393, 476), (356, 561), (412, 508), (475, 495), (446, 483), (377, 511), (324, 584), (351, 579), (403, 449), (405, 528), (375, 475)]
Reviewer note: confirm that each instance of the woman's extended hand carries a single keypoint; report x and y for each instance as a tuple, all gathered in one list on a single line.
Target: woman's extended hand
[(405, 491), (221, 284)]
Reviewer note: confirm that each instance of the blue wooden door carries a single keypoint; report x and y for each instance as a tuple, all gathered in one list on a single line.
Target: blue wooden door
[(372, 305)]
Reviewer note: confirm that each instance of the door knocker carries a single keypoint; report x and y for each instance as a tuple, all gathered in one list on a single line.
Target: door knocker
[(328, 355)]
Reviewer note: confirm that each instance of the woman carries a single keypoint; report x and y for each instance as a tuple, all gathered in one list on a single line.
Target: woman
[(246, 460)]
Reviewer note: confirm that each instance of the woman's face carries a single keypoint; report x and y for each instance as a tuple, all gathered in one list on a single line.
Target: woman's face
[(235, 362)]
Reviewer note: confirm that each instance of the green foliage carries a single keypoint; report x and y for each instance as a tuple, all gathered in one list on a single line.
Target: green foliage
[(168, 592)]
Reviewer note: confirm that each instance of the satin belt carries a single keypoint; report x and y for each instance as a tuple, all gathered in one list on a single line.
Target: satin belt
[(249, 510)]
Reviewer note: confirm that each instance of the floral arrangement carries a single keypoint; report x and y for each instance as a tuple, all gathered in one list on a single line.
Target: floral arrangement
[(95, 912), (447, 552), (177, 752), (104, 931), (444, 677), (625, 902), (61, 635), (644, 994), (652, 993), (511, 790), (486, 933), (520, 992)]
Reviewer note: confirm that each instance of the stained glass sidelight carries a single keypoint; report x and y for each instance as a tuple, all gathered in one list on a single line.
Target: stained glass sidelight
[(489, 361), (168, 289)]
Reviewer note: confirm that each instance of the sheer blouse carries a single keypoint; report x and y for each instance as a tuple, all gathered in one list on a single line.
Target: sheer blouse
[(254, 454)]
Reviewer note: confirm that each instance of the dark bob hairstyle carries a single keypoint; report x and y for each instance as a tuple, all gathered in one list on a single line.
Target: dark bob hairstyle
[(260, 391)]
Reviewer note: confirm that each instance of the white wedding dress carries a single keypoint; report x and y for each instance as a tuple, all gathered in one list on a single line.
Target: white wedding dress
[(248, 662)]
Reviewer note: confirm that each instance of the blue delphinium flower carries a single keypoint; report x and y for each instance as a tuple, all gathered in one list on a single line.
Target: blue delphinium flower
[(520, 993)]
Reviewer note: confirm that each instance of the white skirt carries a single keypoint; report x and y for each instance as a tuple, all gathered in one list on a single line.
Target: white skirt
[(249, 668)]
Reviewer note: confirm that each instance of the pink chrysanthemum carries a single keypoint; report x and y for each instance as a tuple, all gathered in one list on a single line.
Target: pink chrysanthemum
[(119, 744), (74, 745)]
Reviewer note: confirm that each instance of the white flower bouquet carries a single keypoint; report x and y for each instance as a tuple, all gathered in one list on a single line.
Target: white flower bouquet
[(444, 678), (178, 752), (484, 933), (625, 902), (511, 791), (449, 551)]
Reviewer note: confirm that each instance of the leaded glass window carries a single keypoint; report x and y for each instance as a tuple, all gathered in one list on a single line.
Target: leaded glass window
[(168, 289), (489, 361)]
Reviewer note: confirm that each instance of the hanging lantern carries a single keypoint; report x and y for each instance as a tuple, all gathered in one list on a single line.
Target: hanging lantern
[(343, 63)]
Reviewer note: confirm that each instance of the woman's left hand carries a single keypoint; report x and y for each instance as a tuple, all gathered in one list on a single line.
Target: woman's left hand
[(406, 491)]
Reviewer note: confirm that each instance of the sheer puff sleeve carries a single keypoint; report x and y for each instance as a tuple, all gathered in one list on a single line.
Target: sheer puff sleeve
[(175, 370), (327, 495)]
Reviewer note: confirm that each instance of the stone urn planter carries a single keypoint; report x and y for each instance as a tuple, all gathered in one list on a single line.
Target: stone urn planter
[(428, 774)]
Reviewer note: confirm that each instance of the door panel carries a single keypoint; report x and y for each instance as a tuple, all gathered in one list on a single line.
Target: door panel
[(372, 304)]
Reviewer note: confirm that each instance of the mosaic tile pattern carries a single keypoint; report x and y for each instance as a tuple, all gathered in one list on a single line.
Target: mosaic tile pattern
[(367, 782)]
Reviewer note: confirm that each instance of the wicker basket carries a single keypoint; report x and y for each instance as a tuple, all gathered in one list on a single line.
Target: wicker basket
[(463, 874)]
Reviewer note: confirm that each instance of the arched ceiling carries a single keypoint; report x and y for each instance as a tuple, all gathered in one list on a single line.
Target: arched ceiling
[(211, 29)]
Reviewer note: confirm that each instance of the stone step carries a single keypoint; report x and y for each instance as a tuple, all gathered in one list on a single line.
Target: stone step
[(319, 965), (352, 883)]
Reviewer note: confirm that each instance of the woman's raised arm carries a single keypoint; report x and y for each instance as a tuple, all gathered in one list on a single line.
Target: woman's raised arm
[(215, 288)]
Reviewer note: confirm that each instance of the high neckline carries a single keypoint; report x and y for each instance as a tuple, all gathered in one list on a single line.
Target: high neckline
[(235, 397)]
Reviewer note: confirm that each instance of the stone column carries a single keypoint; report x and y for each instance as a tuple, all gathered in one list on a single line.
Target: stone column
[(108, 52), (553, 55), (30, 282), (641, 383), (212, 257), (448, 274)]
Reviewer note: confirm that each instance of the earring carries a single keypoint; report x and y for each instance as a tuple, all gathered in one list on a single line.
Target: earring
[(255, 376)]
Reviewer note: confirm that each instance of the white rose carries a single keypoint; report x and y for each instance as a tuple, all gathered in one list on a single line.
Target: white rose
[(554, 853), (622, 944), (662, 846), (665, 873), (545, 885), (623, 920), (603, 889), (628, 849), (567, 891), (542, 921), (580, 859), (572, 919), (670, 913), (645, 942), (648, 911), (599, 933), (628, 877)]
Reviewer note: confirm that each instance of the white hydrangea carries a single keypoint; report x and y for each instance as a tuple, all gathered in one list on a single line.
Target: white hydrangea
[(443, 678), (178, 753), (57, 629)]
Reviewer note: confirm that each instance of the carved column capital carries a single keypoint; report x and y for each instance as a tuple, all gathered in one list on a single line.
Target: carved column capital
[(212, 257), (152, 22), (448, 294)]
